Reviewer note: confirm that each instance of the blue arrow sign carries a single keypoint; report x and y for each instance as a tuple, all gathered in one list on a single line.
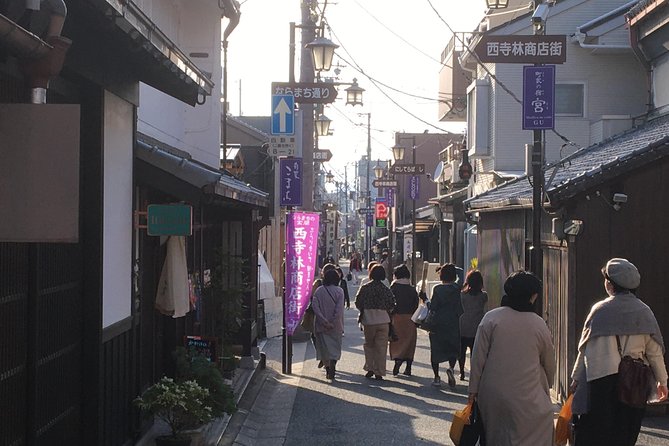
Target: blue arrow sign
[(283, 116)]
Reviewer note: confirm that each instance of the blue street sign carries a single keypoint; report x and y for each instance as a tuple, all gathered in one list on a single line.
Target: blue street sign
[(538, 97), (414, 187), (283, 114), (291, 182), (369, 219)]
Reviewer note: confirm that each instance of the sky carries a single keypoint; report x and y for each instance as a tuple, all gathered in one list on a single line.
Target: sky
[(397, 43)]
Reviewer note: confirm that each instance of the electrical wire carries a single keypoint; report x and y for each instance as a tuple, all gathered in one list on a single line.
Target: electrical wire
[(400, 37), (497, 81), (361, 71)]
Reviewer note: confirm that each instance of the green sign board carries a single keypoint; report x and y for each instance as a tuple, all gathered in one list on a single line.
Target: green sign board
[(169, 219), (381, 222)]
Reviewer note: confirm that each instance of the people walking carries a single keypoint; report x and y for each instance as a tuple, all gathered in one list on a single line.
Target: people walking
[(328, 305), (474, 301), (343, 283), (619, 325), (406, 301), (314, 286), (375, 302), (445, 339), (368, 279), (512, 364)]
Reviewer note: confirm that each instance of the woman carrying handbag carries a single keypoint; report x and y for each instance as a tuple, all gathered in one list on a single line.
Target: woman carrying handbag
[(618, 326)]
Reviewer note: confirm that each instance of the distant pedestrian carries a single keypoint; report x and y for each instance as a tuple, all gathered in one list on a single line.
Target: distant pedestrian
[(314, 286), (445, 340), (474, 301), (328, 304), (368, 279), (512, 365), (620, 323), (343, 283), (406, 302), (375, 302)]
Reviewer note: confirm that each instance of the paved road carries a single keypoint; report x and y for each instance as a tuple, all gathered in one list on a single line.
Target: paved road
[(304, 408)]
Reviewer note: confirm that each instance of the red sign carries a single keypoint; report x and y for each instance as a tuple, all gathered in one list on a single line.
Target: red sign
[(522, 49), (381, 209)]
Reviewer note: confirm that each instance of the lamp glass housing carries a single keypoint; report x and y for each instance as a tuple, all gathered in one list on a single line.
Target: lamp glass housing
[(378, 172), (322, 52), (322, 125), (398, 153), (497, 4), (354, 94), (329, 177)]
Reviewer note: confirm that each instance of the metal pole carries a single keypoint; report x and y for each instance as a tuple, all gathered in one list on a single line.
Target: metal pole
[(225, 102), (536, 257), (369, 189), (413, 218)]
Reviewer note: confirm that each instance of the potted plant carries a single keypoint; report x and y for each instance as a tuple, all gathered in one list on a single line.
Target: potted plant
[(192, 365), (181, 405)]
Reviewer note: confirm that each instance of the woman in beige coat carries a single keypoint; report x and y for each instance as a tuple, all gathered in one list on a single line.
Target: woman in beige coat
[(513, 363)]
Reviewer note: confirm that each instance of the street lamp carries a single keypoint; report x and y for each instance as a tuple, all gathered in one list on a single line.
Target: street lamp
[(354, 94), (378, 172), (398, 153), (329, 177), (322, 52), (322, 125)]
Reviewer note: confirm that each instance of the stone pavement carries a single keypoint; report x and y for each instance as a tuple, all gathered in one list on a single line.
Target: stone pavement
[(303, 408)]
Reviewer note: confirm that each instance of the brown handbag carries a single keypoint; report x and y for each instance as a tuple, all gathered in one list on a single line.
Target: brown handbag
[(635, 380)]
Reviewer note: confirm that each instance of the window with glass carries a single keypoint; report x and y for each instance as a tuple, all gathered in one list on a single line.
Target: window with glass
[(569, 99)]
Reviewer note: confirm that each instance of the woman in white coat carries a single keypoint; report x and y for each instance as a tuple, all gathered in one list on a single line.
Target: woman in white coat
[(513, 363)]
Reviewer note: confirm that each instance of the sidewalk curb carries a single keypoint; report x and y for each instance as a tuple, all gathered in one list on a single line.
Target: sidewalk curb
[(217, 427)]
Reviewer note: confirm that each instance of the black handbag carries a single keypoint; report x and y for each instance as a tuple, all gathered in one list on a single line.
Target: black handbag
[(473, 432), (430, 322), (392, 335), (635, 379)]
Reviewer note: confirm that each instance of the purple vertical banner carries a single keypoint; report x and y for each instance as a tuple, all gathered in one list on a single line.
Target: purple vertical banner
[(390, 196), (369, 219), (301, 250), (538, 97), (291, 182), (414, 187)]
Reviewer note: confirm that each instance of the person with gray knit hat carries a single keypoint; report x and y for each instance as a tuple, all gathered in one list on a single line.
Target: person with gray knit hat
[(619, 325)]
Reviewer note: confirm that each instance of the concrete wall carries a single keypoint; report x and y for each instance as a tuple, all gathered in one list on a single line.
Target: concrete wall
[(195, 27)]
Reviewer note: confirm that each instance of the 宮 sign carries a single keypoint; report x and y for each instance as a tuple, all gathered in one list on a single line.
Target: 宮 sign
[(538, 97), (169, 219)]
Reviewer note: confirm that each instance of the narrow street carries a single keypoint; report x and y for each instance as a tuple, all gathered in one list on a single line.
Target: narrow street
[(304, 408)]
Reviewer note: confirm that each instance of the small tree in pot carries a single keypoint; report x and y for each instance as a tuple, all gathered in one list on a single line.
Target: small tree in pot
[(180, 405)]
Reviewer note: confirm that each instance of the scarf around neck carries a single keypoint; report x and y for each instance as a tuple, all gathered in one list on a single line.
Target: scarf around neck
[(620, 314)]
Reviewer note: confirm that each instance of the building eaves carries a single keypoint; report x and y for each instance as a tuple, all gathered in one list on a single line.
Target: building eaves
[(599, 21), (205, 178), (585, 168), (247, 127)]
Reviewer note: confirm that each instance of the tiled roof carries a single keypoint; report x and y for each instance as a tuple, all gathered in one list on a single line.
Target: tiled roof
[(585, 168)]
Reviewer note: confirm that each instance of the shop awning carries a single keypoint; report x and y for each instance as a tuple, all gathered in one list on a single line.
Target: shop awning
[(421, 226), (161, 167)]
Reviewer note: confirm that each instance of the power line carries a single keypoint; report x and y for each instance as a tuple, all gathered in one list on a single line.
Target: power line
[(400, 37), (379, 88), (497, 81)]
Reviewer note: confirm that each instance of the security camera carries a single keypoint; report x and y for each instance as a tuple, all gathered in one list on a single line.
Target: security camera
[(619, 198), (540, 13)]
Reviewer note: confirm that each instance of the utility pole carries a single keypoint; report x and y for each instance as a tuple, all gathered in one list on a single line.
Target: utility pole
[(536, 256), (368, 229)]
